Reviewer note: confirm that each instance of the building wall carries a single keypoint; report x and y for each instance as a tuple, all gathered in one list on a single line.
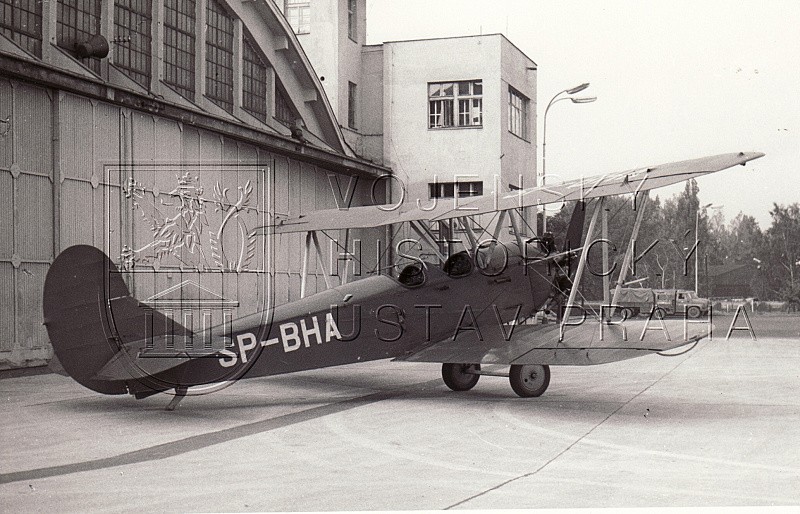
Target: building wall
[(321, 46), (417, 153), (337, 58), (27, 221), (372, 115), (55, 192), (519, 155), (350, 71)]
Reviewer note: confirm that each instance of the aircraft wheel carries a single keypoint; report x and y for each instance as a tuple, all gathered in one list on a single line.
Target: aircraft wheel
[(457, 378), (693, 312), (529, 381)]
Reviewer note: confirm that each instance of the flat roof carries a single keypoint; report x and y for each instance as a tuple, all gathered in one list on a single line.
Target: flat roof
[(495, 34)]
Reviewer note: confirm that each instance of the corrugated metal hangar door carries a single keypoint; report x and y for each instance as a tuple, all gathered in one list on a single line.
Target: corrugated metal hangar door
[(26, 220), (56, 149)]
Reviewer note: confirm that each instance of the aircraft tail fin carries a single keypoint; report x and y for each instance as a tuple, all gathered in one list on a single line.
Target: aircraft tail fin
[(82, 288)]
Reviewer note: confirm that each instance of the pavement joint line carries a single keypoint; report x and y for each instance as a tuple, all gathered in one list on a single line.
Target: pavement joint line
[(571, 445), (200, 441)]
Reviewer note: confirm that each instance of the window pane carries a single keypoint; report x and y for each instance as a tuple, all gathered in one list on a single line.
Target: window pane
[(219, 56), (21, 21), (477, 87), (466, 189), (463, 113), (78, 21), (454, 104), (254, 81), (351, 105), (477, 111), (434, 114), (447, 113), (179, 42)]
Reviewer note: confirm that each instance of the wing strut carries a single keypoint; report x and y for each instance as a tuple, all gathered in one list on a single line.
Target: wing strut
[(629, 252), (512, 215), (304, 272), (422, 231), (311, 236), (581, 265), (473, 241)]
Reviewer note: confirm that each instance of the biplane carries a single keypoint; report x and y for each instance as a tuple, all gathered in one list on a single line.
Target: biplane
[(469, 309)]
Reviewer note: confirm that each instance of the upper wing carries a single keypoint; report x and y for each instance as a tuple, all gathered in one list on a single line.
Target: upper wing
[(641, 179)]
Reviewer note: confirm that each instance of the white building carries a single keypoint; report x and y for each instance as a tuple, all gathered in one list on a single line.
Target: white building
[(436, 111)]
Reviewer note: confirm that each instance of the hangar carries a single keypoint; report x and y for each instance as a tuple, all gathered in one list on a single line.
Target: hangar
[(106, 102)]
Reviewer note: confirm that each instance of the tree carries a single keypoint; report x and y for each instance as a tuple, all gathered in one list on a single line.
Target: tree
[(782, 251)]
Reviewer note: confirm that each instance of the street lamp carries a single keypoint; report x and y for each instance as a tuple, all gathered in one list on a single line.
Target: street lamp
[(570, 91), (697, 242)]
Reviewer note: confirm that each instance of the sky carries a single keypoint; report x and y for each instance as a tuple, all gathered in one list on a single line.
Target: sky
[(673, 80)]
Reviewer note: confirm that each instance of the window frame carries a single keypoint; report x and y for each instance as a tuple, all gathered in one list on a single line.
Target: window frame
[(87, 18), (451, 106), (518, 113), (352, 105), (188, 88), (135, 57), (459, 189), (17, 25), (219, 58), (302, 10), (250, 82), (352, 20)]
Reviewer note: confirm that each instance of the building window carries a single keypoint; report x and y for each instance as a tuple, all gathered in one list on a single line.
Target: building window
[(455, 104), (351, 105), (352, 20), (284, 110), (254, 81), (298, 12), (21, 22), (517, 113), (219, 56), (449, 189), (132, 19), (78, 21), (179, 41)]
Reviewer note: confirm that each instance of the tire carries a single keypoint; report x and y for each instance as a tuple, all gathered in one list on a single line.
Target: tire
[(455, 376), (660, 313), (627, 313), (529, 381), (693, 312)]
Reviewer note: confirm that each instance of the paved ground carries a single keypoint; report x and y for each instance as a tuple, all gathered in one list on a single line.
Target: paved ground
[(718, 426)]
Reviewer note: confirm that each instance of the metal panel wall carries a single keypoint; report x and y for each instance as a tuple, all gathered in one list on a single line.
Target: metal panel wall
[(55, 197), (27, 224)]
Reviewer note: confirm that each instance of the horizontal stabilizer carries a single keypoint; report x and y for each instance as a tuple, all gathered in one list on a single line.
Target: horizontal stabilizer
[(136, 361)]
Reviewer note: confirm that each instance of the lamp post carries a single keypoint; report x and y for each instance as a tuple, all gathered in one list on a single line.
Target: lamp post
[(570, 91), (697, 242)]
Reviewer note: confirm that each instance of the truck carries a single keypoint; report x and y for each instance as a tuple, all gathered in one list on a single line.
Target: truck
[(635, 300)]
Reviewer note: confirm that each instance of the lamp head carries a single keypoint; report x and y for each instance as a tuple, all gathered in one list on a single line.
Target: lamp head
[(585, 100), (578, 89)]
